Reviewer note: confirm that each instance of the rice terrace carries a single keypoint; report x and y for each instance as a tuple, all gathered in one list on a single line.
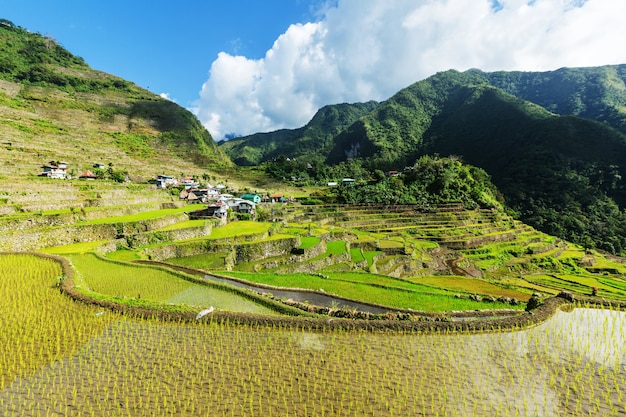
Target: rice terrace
[(454, 312), (343, 268)]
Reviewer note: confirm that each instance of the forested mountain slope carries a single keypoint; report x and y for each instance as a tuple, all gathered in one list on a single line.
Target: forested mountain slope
[(562, 174), (597, 93), (310, 141)]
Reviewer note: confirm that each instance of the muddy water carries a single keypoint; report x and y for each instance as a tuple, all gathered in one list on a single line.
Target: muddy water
[(572, 365), (304, 296)]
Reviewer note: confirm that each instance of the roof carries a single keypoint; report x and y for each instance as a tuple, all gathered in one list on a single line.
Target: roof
[(87, 174)]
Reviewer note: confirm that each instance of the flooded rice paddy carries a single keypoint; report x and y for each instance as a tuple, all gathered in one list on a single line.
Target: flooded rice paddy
[(572, 365), (309, 297)]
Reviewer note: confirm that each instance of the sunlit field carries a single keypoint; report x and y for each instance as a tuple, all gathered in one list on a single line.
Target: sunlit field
[(137, 283), (63, 358)]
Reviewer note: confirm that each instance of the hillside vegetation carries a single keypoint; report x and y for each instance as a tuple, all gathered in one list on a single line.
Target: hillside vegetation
[(553, 143), (596, 93), (54, 107), (309, 142)]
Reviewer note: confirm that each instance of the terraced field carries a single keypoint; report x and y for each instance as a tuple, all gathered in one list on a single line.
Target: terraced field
[(479, 255), (415, 268)]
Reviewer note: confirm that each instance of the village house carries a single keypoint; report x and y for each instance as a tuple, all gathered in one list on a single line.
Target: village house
[(199, 195), (225, 197), (57, 170), (188, 183), (278, 198), (164, 181), (255, 198), (239, 205), (87, 175), (218, 209)]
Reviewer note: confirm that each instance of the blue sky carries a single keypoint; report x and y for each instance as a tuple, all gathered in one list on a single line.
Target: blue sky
[(166, 46), (245, 66)]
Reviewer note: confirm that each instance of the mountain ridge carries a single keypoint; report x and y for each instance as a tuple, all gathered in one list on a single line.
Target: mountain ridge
[(311, 139), (562, 173), (54, 106)]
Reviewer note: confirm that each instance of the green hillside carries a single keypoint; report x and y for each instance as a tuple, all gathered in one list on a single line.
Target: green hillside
[(310, 141), (597, 93), (391, 136), (561, 173), (53, 106)]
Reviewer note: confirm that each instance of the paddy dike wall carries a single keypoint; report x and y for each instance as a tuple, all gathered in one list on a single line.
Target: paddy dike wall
[(34, 220), (41, 237), (298, 256), (241, 251), (156, 237), (481, 321)]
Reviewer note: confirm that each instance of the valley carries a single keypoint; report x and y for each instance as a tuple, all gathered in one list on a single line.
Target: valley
[(454, 250)]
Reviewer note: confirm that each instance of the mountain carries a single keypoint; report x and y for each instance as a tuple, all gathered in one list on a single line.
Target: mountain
[(553, 143), (53, 106), (563, 174), (310, 141), (597, 93)]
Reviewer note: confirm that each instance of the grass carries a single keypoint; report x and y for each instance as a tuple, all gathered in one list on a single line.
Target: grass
[(386, 281), (142, 216), (134, 282), (308, 242), (390, 244), (333, 248), (81, 247), (424, 244), (370, 255), (357, 255), (128, 281), (123, 255), (336, 247), (204, 261), (185, 225), (238, 229), (471, 286), (418, 298)]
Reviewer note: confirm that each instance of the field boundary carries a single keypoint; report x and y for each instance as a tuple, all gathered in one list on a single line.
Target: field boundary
[(563, 301)]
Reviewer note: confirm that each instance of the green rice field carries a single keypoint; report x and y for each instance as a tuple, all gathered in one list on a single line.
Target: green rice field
[(87, 362)]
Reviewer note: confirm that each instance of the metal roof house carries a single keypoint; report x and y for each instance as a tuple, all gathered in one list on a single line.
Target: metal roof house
[(255, 198)]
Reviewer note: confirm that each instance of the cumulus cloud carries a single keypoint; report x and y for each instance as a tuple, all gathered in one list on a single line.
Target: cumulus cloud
[(167, 96), (361, 50)]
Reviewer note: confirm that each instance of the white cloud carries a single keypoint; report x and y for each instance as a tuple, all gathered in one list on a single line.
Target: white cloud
[(369, 49), (167, 96)]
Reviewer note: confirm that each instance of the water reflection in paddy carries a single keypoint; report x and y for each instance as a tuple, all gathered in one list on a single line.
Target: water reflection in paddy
[(310, 297), (572, 365)]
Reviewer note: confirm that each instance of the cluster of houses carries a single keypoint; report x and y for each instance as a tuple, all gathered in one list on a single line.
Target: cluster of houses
[(218, 201), (58, 170)]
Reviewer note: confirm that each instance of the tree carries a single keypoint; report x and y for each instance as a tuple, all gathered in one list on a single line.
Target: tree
[(7, 23)]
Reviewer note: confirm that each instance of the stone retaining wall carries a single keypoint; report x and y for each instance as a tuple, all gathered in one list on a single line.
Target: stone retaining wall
[(243, 251), (37, 238), (34, 220)]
